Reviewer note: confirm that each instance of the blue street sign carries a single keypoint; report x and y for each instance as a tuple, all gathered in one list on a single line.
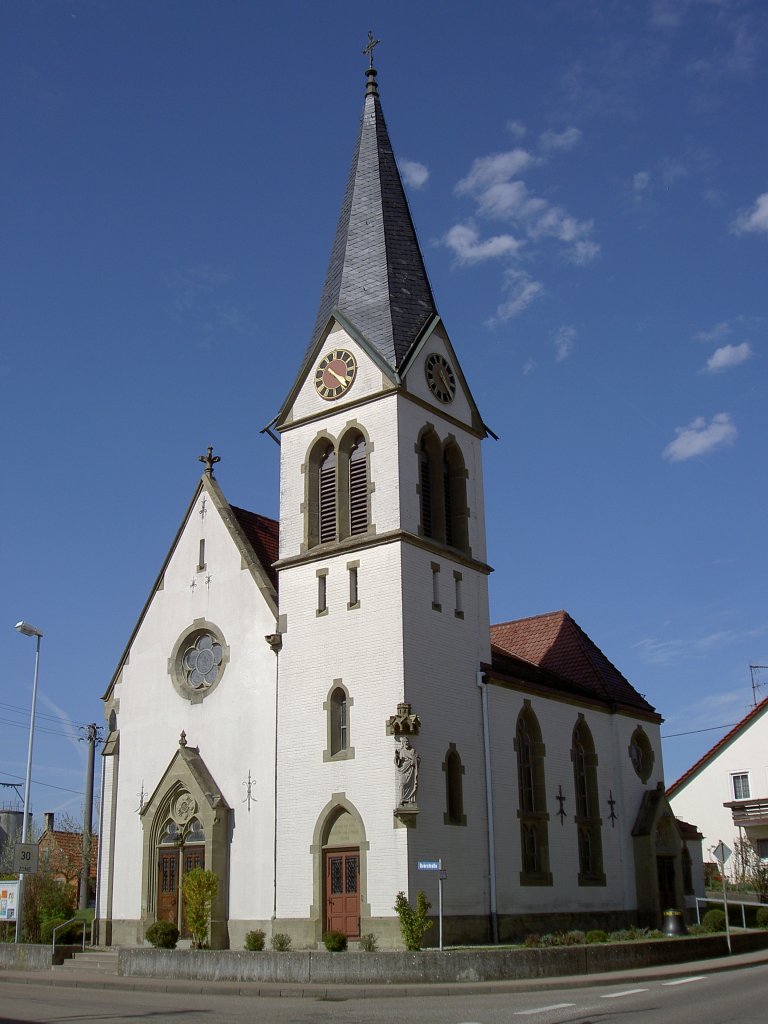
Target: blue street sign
[(428, 865)]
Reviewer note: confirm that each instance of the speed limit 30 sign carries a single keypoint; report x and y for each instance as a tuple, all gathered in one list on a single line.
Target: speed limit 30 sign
[(25, 858)]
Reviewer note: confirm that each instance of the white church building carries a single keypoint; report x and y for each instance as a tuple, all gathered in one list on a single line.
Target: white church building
[(341, 664)]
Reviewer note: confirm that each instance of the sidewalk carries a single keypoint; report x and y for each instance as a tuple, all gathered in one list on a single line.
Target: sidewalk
[(92, 979)]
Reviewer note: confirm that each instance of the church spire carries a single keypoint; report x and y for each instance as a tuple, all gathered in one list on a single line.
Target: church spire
[(376, 276)]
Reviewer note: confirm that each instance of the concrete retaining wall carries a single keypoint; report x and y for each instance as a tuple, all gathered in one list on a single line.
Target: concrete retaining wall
[(426, 966), (24, 957)]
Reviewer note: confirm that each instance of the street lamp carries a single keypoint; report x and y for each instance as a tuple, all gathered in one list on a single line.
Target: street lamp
[(27, 630)]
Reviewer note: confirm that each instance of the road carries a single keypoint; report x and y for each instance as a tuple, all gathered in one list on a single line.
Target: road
[(728, 997)]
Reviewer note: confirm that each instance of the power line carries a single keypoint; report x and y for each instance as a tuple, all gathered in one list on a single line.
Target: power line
[(25, 711), (47, 785), (38, 728), (692, 732)]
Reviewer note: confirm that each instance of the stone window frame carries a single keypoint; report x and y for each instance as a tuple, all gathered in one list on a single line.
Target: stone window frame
[(330, 706), (341, 446), (587, 817), (532, 801), (643, 767), (176, 672)]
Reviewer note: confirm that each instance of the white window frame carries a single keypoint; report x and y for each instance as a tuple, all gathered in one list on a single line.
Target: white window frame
[(741, 775)]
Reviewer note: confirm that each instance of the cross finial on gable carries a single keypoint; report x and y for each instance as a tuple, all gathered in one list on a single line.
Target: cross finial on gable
[(210, 460), (372, 44)]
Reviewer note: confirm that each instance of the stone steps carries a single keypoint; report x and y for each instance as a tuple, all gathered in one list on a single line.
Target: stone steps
[(94, 961)]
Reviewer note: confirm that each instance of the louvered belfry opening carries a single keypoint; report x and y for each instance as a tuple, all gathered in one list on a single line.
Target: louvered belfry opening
[(448, 499), (327, 498), (358, 487), (425, 481)]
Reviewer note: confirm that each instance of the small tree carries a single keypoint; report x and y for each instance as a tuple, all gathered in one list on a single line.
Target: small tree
[(199, 887), (413, 923)]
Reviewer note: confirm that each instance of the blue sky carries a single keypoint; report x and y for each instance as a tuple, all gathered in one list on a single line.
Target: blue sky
[(589, 185)]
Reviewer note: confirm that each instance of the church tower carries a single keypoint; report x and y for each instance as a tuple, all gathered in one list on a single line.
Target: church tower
[(382, 585)]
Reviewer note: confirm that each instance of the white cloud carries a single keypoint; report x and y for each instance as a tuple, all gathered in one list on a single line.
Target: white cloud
[(516, 129), (700, 437), (753, 220), (414, 173), (529, 366), (583, 252), (523, 290), (567, 139), (464, 241), (488, 170), (716, 333), (564, 342), (641, 181), (672, 170), (727, 356)]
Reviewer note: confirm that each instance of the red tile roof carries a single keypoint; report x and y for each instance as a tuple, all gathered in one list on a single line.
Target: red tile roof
[(720, 745), (69, 847), (263, 535), (556, 643)]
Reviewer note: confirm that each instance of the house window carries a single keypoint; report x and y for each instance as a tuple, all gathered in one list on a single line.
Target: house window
[(358, 487), (337, 708), (454, 788), (762, 849), (587, 818), (740, 786), (532, 808)]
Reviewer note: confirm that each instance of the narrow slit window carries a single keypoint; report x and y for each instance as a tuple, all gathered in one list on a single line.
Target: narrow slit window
[(458, 596), (322, 591), (436, 587), (201, 556), (354, 595)]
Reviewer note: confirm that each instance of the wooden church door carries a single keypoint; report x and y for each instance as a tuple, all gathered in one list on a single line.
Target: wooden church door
[(342, 892), (168, 886)]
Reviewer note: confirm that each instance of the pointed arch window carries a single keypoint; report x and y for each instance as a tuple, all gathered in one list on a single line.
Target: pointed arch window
[(425, 492), (327, 497), (358, 486), (454, 788), (532, 807), (337, 709), (587, 818), (455, 497)]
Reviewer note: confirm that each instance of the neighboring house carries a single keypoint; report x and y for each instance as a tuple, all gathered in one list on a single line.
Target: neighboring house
[(62, 852), (726, 791), (314, 708)]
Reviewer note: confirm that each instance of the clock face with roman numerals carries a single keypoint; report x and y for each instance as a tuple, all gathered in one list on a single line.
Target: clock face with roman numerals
[(335, 374), (440, 377)]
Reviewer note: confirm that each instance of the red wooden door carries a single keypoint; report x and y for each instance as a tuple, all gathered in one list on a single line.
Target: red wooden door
[(342, 892), (168, 886)]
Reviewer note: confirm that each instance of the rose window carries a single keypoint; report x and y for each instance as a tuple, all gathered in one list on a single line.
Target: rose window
[(201, 661)]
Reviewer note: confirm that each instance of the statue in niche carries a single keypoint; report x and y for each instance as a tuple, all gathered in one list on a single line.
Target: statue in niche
[(407, 765)]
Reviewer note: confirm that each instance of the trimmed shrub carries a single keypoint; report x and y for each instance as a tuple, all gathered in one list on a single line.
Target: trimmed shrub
[(714, 921), (574, 938), (532, 941), (761, 917), (697, 929), (281, 942), (368, 943), (335, 942), (596, 935), (200, 888), (254, 941), (163, 935)]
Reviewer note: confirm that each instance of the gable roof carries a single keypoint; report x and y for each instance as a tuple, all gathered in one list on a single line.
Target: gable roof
[(256, 537), (376, 275), (69, 846), (721, 744), (572, 661)]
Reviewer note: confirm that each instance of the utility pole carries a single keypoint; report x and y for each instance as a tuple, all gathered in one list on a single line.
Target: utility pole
[(92, 737)]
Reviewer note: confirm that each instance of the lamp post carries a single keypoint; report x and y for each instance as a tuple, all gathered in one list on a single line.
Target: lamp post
[(27, 630)]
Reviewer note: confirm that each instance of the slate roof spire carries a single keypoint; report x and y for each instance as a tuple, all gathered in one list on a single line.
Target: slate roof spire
[(376, 276)]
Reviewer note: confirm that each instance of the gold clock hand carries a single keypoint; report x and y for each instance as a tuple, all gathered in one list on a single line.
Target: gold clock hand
[(339, 378)]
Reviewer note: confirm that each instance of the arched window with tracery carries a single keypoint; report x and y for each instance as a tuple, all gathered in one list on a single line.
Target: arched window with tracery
[(587, 817), (532, 803)]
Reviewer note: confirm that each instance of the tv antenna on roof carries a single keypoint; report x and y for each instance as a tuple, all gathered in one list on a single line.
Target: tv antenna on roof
[(756, 684)]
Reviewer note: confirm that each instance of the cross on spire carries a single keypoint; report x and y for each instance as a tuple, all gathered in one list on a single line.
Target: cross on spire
[(210, 460), (372, 44)]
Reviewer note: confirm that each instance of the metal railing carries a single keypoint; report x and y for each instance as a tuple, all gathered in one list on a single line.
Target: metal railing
[(64, 925), (730, 903)]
